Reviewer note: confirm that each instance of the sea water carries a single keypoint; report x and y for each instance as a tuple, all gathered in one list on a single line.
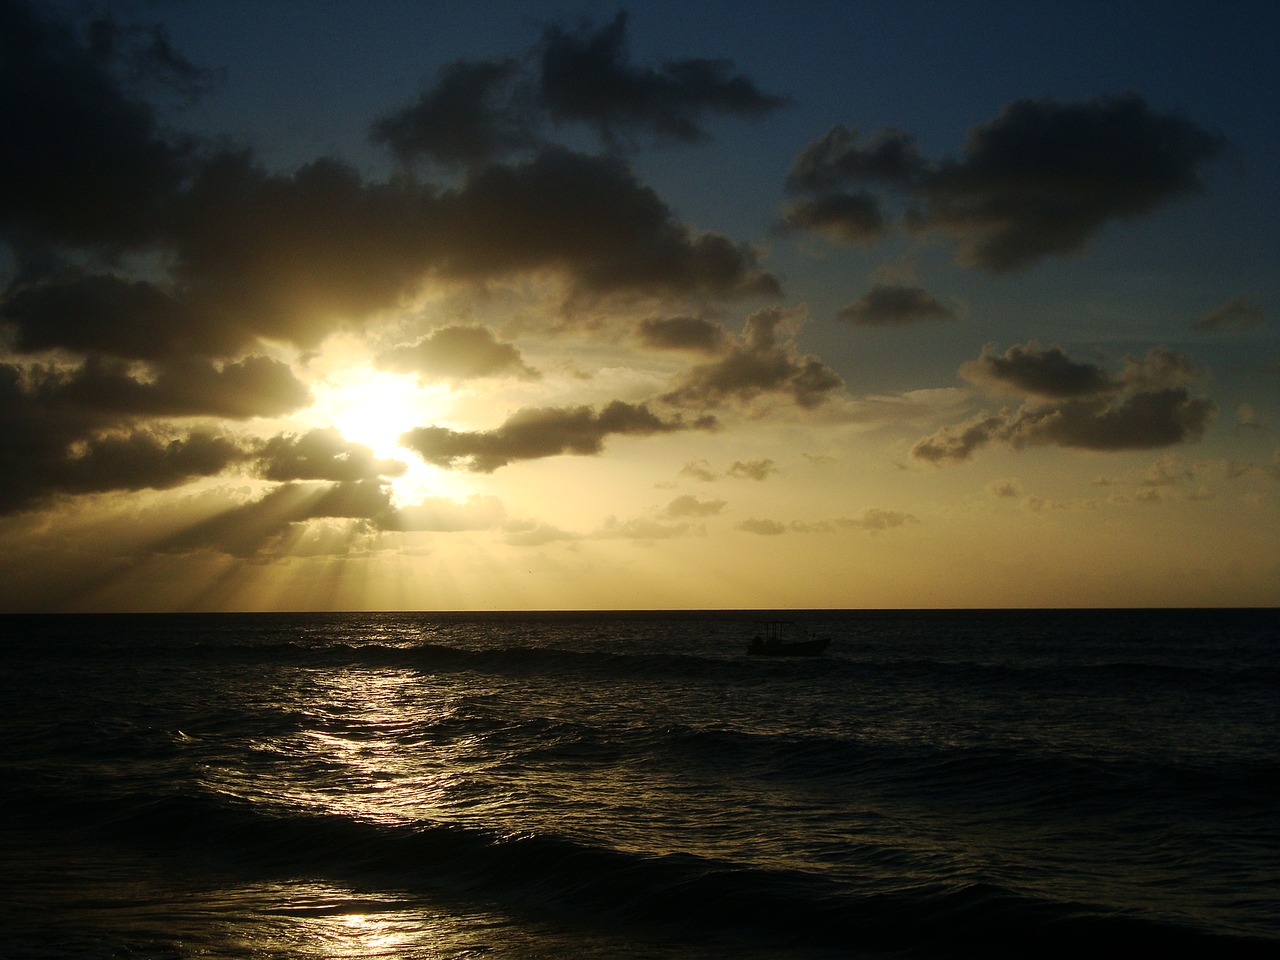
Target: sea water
[(635, 785)]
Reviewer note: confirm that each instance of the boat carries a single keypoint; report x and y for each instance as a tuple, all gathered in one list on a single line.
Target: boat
[(771, 643)]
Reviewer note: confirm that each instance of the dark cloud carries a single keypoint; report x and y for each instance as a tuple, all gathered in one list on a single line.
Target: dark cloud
[(1040, 179), (457, 353), (589, 219), (481, 111), (892, 305), (1037, 371), (765, 362), (300, 255), (472, 115), (144, 54), (114, 315), (838, 158), (1238, 313), (682, 333), (688, 505), (849, 218), (542, 432), (585, 76), (140, 460), (236, 253), (52, 447), (1140, 421), (250, 528), (93, 428), (84, 163), (1146, 406), (253, 387), (959, 442), (321, 454), (297, 256)]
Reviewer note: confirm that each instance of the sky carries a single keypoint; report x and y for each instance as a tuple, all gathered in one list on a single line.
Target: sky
[(415, 306)]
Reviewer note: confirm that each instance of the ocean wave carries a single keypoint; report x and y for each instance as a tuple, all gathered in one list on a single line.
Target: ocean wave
[(675, 891)]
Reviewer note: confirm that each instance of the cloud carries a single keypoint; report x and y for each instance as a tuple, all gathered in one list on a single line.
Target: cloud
[(589, 219), (1238, 313), (52, 448), (236, 253), (1247, 418), (1005, 489), (693, 334), (237, 390), (847, 218), (470, 116), (542, 432), (142, 460), (1146, 406), (585, 76), (640, 528), (114, 315), (764, 363), (1037, 371), (690, 506), (457, 353), (1040, 179), (321, 454), (442, 515), (698, 470), (764, 528), (838, 158), (481, 111), (70, 121), (145, 54), (296, 256), (893, 305), (753, 469), (91, 429), (250, 528), (873, 521), (529, 533)]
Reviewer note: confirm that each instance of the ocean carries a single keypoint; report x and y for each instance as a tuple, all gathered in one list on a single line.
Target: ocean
[(937, 784)]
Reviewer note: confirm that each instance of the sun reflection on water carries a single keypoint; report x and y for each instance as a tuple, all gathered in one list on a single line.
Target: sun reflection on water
[(363, 748)]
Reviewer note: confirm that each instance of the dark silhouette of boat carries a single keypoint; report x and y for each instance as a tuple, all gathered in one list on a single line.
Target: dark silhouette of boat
[(771, 643)]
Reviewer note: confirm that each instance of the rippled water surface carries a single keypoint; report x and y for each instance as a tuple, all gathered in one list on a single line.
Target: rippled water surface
[(401, 785)]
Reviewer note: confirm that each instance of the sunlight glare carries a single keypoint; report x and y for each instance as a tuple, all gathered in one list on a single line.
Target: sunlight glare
[(375, 408)]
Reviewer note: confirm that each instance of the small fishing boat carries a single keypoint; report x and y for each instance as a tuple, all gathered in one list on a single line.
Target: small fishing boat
[(770, 643)]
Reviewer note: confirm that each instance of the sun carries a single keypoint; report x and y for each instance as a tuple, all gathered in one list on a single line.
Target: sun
[(375, 408)]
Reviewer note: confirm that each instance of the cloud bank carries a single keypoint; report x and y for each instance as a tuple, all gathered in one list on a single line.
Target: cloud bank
[(1040, 179), (1146, 405)]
